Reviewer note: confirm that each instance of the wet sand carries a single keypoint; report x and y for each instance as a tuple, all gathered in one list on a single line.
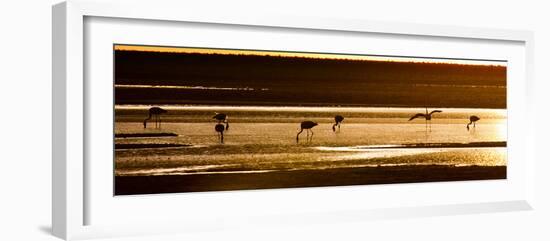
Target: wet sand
[(127, 185), (153, 145), (137, 135)]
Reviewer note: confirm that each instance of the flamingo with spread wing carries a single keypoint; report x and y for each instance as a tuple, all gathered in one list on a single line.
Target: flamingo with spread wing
[(427, 116)]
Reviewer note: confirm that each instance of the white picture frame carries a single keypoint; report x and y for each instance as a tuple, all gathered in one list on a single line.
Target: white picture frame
[(72, 192)]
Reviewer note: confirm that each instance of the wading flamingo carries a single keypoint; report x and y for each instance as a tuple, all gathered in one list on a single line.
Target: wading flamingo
[(338, 120), (427, 116), (154, 112), (473, 120), (306, 125)]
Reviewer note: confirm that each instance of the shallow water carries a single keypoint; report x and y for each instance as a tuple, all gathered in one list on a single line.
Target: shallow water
[(264, 139)]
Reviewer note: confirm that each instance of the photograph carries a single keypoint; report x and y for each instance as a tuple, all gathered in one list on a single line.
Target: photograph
[(197, 119)]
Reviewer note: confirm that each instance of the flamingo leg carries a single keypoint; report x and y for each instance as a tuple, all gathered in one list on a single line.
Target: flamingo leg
[(426, 125), (311, 137), (221, 133), (298, 135)]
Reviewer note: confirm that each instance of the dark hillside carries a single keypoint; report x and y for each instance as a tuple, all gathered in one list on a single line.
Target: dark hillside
[(298, 80)]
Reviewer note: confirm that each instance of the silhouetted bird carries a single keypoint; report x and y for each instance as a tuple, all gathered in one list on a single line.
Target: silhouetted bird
[(473, 120), (154, 112), (220, 128), (338, 120), (222, 118), (427, 116), (306, 125)]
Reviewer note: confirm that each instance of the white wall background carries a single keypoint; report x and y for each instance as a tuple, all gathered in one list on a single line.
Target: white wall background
[(25, 120)]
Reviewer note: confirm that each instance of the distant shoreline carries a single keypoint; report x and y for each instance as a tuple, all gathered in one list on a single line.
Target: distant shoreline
[(129, 185), (287, 105)]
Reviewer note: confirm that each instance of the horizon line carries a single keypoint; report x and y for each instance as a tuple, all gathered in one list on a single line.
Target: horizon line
[(289, 54)]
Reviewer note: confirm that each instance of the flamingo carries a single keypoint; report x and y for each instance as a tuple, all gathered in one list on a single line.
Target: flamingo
[(221, 117), (473, 120), (306, 125), (338, 120), (156, 112), (220, 128), (427, 116)]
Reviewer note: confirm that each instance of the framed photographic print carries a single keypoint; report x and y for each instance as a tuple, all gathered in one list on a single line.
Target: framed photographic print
[(201, 121), (174, 105)]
